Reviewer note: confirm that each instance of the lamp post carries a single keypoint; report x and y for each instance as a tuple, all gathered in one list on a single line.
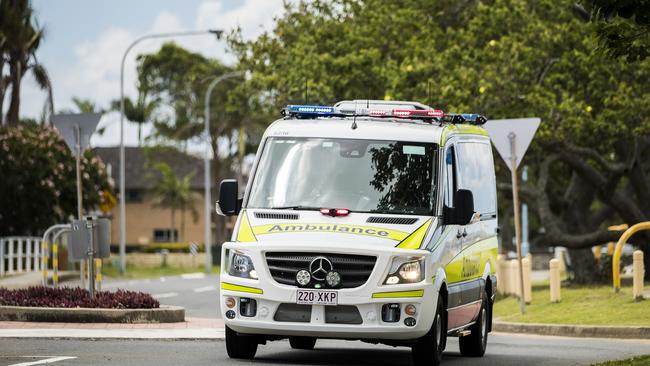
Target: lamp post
[(218, 33), (207, 182)]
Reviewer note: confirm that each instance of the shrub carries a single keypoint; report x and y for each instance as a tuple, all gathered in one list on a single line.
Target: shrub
[(76, 297), (172, 247)]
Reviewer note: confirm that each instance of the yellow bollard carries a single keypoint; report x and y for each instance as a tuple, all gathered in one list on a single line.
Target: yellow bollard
[(514, 278), (638, 272), (502, 280), (528, 289), (98, 274), (55, 264), (554, 268), (45, 253)]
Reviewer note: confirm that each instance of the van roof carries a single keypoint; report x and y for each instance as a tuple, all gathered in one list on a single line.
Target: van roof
[(371, 128)]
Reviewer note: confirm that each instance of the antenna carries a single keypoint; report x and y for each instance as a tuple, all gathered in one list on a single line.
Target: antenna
[(354, 119)]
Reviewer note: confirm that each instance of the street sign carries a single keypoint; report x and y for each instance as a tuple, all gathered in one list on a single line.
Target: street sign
[(67, 123), (83, 238), (500, 131)]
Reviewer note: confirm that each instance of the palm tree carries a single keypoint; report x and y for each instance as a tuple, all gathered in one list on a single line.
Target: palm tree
[(173, 193), (21, 37), (139, 112), (85, 105)]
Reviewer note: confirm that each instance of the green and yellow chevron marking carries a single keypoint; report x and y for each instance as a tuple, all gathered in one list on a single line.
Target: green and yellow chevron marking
[(239, 288), (397, 294), (414, 240), (245, 233)]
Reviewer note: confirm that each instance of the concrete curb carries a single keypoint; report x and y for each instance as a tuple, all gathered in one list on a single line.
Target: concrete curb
[(164, 314), (566, 330), (122, 334)]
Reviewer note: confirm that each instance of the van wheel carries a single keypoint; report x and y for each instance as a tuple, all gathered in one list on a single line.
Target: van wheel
[(474, 345), (302, 342), (428, 349), (239, 346)]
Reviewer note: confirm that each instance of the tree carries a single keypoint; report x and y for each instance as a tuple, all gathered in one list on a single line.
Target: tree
[(173, 193), (504, 59), (622, 27), (140, 112), (38, 180), (85, 105), (20, 37)]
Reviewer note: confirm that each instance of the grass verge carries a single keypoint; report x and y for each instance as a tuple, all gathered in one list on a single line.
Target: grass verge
[(636, 361), (584, 305), (134, 272)]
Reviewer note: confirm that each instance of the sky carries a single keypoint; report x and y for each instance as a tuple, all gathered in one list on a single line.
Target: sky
[(86, 39)]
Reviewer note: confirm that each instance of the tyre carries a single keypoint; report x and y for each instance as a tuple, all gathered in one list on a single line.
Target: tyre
[(474, 345), (302, 342), (428, 349), (240, 346)]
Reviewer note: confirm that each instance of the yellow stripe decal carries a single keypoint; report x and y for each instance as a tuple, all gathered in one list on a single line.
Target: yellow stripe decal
[(232, 287), (463, 130), (330, 228), (414, 240), (397, 294), (245, 233), (470, 263)]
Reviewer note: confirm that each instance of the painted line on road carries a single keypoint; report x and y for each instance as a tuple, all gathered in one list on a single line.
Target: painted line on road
[(45, 361), (193, 276), (70, 333), (165, 295), (205, 289)]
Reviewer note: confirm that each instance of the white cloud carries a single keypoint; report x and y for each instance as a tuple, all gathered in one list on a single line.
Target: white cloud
[(96, 73)]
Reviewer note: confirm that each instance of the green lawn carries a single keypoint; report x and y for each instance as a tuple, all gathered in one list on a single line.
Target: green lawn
[(595, 305), (636, 361), (144, 272)]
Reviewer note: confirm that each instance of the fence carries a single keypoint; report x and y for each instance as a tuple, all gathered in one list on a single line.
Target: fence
[(20, 254)]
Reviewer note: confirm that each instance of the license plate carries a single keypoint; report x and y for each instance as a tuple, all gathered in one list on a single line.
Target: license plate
[(316, 297)]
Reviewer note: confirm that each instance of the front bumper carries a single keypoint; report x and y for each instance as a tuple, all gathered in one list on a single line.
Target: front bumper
[(367, 300)]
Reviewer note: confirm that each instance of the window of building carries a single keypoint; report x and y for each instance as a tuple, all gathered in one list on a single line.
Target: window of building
[(164, 235), (133, 195)]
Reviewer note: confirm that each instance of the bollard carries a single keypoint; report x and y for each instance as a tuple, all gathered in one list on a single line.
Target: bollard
[(638, 273), (45, 253), (55, 263), (502, 279), (554, 267), (98, 274), (514, 278), (528, 289)]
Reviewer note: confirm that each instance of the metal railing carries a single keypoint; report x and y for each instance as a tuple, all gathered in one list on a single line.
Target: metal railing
[(20, 254)]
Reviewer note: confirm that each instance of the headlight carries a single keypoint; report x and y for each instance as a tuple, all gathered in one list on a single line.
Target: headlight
[(405, 270), (241, 265)]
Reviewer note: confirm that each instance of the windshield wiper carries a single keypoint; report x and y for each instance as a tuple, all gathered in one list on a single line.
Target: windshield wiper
[(298, 207)]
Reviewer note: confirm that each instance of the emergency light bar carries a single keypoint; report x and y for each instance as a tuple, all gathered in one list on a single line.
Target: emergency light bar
[(310, 111)]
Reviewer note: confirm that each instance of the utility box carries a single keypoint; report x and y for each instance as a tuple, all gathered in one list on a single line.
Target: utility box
[(82, 237)]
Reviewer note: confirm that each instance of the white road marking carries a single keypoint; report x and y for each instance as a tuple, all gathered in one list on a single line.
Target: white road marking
[(193, 276), (45, 361), (205, 289), (165, 295)]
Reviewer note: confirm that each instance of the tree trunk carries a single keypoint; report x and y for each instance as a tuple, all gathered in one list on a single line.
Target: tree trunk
[(584, 267), (14, 106), (139, 134)]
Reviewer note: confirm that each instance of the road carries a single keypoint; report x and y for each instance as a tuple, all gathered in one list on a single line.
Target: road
[(503, 350), (196, 292)]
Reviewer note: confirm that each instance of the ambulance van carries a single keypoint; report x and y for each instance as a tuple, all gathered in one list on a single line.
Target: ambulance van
[(367, 220)]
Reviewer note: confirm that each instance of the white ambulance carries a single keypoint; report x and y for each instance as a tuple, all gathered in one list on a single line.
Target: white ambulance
[(366, 220)]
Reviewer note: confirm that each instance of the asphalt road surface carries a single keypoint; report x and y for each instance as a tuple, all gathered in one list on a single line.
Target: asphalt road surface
[(196, 292), (503, 350)]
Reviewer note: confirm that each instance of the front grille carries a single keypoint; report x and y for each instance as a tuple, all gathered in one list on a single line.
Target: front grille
[(276, 216), (293, 313), (354, 269), (342, 314), (392, 220)]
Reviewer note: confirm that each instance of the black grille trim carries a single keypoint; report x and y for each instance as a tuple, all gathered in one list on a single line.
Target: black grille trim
[(276, 216), (392, 220), (354, 269), (293, 313), (342, 314)]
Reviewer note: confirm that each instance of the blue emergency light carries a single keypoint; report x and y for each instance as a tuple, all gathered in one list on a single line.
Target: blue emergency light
[(313, 110)]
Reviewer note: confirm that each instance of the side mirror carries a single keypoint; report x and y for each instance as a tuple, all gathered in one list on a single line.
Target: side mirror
[(229, 204), (463, 210)]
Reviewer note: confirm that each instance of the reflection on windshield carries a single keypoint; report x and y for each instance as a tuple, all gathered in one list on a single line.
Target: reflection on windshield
[(361, 175)]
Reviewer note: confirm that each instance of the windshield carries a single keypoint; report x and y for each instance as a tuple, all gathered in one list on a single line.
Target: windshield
[(360, 175)]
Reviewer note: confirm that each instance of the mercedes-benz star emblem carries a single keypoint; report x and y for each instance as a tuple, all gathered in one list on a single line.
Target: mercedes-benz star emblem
[(320, 267)]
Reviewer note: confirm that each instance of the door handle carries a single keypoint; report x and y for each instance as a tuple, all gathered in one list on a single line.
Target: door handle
[(458, 234), (464, 233)]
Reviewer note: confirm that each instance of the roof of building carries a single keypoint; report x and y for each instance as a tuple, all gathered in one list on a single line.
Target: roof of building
[(139, 175)]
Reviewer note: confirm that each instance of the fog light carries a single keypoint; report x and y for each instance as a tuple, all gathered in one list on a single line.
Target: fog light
[(390, 313), (247, 307), (230, 314), (333, 279), (409, 322), (230, 303), (303, 277), (409, 309)]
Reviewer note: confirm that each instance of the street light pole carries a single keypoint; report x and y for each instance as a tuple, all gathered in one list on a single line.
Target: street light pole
[(207, 182), (218, 33)]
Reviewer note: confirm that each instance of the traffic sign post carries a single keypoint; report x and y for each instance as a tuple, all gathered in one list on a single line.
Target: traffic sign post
[(511, 138)]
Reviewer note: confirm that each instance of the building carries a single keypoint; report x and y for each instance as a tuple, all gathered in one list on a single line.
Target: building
[(146, 223)]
